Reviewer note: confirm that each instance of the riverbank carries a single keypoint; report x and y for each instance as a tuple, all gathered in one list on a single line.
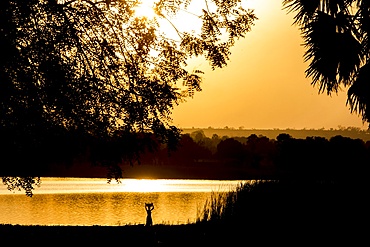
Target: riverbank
[(129, 235), (261, 233)]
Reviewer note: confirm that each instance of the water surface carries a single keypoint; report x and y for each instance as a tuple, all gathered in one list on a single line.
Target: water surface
[(76, 201)]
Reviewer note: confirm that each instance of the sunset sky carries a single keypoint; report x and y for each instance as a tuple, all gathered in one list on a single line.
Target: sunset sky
[(264, 84)]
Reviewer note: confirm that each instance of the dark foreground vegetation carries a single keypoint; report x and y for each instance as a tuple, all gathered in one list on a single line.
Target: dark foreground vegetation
[(266, 212)]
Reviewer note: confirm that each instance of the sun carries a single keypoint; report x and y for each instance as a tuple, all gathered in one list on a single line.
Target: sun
[(145, 9)]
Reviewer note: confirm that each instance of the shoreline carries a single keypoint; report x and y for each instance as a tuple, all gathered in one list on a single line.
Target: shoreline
[(262, 233), (138, 235)]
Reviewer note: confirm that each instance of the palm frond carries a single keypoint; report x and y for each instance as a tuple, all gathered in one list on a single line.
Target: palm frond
[(358, 93)]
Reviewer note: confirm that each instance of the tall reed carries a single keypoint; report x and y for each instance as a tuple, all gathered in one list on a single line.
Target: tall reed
[(258, 200), (224, 205)]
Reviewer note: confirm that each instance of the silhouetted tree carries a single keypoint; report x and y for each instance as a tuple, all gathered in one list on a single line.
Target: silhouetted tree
[(76, 72), (198, 136), (260, 151), (188, 152), (336, 38), (230, 150), (317, 159), (349, 161), (291, 156), (204, 141), (215, 141)]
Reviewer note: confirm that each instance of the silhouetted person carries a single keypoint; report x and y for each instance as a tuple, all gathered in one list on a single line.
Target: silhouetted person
[(149, 207)]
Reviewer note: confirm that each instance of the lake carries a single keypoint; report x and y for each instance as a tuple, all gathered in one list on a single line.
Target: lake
[(92, 201)]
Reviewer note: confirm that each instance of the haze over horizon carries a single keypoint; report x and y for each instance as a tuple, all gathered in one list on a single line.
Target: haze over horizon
[(264, 85)]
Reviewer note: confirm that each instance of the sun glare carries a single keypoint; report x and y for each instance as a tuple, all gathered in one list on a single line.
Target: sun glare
[(145, 9), (143, 185)]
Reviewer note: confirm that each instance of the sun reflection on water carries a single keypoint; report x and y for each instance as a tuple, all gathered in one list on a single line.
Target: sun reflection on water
[(97, 185), (175, 185), (143, 185)]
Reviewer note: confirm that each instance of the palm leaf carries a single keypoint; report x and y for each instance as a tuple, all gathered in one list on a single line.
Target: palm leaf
[(358, 93)]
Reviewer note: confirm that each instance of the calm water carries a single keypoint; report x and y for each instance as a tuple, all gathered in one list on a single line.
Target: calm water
[(75, 201)]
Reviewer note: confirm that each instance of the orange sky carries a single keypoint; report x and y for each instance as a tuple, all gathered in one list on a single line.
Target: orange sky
[(264, 85)]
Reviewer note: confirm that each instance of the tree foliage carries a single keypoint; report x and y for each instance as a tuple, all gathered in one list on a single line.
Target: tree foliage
[(312, 158), (336, 38), (75, 73)]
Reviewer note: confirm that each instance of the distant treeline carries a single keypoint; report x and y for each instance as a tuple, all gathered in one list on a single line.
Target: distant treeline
[(338, 157), (352, 132)]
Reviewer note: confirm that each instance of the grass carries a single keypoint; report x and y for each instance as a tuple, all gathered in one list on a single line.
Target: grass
[(263, 212)]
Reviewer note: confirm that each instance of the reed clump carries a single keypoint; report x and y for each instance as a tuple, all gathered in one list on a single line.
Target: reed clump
[(227, 206), (284, 211), (276, 201), (223, 205)]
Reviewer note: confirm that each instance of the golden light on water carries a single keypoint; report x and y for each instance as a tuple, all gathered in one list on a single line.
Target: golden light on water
[(98, 185), (144, 185), (92, 201), (175, 185)]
